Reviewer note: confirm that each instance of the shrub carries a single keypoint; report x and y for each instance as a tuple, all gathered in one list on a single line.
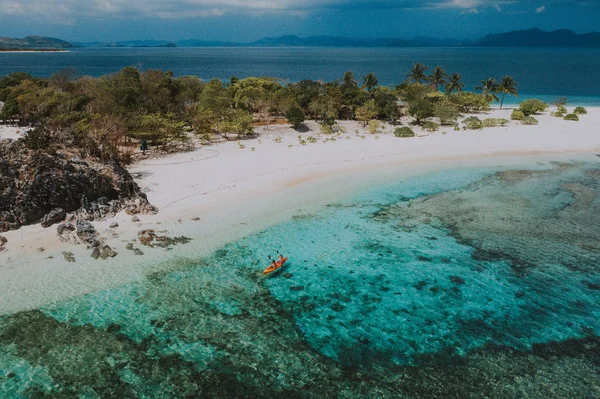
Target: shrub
[(456, 128), (430, 126), (495, 122), (37, 139), (447, 114), (490, 122), (580, 111), (572, 117), (404, 131), (532, 106), (558, 114), (561, 109), (295, 116), (473, 123), (530, 120), (374, 126), (517, 115)]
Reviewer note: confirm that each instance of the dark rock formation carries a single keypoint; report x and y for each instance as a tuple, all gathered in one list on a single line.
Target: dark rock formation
[(34, 185), (55, 216)]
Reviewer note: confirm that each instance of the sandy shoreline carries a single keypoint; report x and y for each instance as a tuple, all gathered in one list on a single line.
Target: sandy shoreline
[(236, 192)]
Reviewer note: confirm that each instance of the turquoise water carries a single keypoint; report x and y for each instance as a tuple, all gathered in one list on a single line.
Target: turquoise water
[(541, 72), (467, 283)]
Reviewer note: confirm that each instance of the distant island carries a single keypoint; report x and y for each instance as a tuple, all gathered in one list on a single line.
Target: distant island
[(33, 43), (522, 38)]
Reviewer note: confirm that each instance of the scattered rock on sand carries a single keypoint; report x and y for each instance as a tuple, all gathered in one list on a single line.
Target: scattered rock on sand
[(56, 215), (69, 257), (196, 219), (103, 252), (129, 247), (150, 239), (135, 219), (114, 225), (3, 240), (138, 252)]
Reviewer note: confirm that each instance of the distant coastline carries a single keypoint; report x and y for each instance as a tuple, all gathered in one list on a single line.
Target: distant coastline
[(32, 50)]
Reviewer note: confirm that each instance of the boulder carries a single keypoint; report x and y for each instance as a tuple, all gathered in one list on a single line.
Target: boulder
[(35, 184), (87, 233), (55, 216)]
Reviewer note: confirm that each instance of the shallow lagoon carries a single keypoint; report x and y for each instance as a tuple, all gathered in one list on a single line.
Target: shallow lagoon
[(465, 283)]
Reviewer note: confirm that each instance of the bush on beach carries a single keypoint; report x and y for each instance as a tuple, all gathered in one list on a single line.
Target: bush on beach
[(495, 122), (580, 111), (572, 117), (473, 123), (430, 126), (532, 106), (403, 132), (530, 120), (517, 115)]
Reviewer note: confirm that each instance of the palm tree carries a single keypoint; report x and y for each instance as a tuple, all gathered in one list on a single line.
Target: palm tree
[(438, 77), (488, 89), (370, 81), (349, 78), (508, 86), (417, 73), (455, 84)]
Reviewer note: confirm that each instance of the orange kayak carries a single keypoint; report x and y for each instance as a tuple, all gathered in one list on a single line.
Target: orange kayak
[(275, 267)]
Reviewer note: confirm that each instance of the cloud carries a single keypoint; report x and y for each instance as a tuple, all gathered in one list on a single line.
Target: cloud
[(540, 10), (67, 11)]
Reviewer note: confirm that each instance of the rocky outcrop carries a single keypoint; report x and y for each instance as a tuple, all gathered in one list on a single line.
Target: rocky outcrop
[(41, 187), (55, 216)]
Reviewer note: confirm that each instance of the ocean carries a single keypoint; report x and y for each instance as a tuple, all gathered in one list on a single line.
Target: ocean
[(471, 283), (545, 73)]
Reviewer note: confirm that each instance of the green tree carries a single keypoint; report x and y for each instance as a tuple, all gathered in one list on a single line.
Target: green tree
[(367, 112), (438, 77), (488, 89), (327, 104), (507, 86), (295, 116), (158, 129), (387, 104), (237, 122), (352, 96), (421, 110), (370, 82), (417, 73), (468, 102), (454, 84)]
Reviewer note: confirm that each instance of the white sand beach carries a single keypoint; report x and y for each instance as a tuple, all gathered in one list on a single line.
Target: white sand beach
[(235, 192), (11, 132)]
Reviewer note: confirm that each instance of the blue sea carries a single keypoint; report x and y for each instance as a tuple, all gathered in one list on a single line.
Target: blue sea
[(546, 73), (466, 283)]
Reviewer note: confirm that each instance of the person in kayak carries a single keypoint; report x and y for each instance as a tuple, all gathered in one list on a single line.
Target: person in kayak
[(272, 261), (280, 257)]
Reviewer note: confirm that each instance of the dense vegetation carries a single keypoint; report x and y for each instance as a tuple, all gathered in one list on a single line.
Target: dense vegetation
[(110, 115)]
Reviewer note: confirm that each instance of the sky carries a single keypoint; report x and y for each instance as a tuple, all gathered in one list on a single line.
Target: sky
[(249, 20)]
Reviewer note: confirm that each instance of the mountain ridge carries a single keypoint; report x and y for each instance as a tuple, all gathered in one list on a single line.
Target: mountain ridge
[(34, 42), (519, 38)]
